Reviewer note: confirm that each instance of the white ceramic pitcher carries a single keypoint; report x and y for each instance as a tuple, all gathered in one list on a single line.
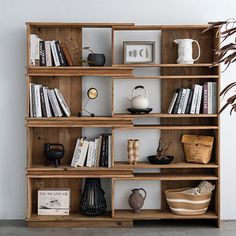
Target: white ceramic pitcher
[(185, 51)]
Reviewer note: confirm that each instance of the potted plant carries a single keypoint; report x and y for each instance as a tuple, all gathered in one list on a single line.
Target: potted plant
[(226, 55)]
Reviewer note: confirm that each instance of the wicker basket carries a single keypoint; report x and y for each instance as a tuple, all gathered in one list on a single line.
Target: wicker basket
[(197, 148), (182, 203)]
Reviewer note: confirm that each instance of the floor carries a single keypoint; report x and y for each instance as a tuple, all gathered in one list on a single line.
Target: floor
[(17, 228)]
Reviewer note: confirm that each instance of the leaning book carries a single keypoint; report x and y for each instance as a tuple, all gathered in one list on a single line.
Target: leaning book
[(54, 201)]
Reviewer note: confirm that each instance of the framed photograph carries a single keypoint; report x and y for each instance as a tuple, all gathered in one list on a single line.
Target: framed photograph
[(139, 52)]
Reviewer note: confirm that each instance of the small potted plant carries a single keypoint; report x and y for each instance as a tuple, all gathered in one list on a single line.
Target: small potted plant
[(94, 59)]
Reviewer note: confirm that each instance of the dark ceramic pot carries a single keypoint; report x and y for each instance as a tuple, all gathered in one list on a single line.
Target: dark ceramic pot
[(53, 152), (96, 59)]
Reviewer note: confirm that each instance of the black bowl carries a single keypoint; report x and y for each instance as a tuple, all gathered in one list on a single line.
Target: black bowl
[(96, 59), (153, 160)]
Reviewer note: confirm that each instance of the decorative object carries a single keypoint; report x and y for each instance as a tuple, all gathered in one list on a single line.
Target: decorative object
[(197, 148), (185, 51), (133, 151), (135, 111), (53, 201), (136, 199), (95, 59), (139, 52), (139, 101), (92, 202), (190, 201), (92, 94), (54, 152), (226, 55)]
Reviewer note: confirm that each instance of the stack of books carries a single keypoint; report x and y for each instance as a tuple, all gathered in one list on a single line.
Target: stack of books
[(198, 99), (45, 102), (48, 53), (93, 153)]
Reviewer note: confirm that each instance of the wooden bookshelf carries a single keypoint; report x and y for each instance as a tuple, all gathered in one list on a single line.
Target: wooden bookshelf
[(66, 130)]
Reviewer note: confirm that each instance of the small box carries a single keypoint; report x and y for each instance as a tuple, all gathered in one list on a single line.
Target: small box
[(54, 201)]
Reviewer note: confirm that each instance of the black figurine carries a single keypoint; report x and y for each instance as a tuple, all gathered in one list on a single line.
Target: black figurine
[(54, 152)]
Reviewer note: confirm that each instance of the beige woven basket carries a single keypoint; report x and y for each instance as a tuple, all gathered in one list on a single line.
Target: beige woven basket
[(187, 204), (197, 148)]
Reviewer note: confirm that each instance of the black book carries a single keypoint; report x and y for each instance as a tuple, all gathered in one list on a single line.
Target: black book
[(44, 111), (42, 53), (106, 150), (176, 106), (190, 98), (60, 54), (103, 151)]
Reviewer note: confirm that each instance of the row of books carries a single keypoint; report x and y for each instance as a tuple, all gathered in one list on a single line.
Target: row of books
[(45, 102), (198, 99), (48, 53), (93, 153)]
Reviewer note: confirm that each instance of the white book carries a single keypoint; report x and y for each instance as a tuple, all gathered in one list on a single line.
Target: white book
[(185, 101), (76, 151), (59, 112), (53, 212), (32, 100), (52, 103), (172, 103), (33, 38), (209, 97), (48, 108), (199, 99), (54, 53), (83, 153), (214, 97), (38, 100), (94, 153), (109, 151), (37, 54), (181, 103), (48, 53), (62, 102), (194, 100), (89, 160)]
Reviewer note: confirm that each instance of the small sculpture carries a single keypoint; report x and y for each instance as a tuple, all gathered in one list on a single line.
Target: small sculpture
[(136, 200), (133, 151)]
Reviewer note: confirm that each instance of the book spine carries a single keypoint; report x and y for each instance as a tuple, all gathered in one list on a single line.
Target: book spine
[(176, 106), (54, 53), (52, 103), (75, 155), (61, 56), (37, 55), (172, 103), (90, 153), (102, 158), (205, 98), (66, 54), (47, 104), (214, 97), (181, 103), (187, 111), (199, 99), (194, 100), (59, 112), (109, 151), (43, 105), (32, 100), (37, 101), (42, 54), (32, 49), (99, 150), (62, 102), (106, 151), (52, 212), (185, 101), (48, 53), (83, 154), (209, 97)]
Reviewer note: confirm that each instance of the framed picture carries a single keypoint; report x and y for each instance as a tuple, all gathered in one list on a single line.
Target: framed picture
[(139, 52)]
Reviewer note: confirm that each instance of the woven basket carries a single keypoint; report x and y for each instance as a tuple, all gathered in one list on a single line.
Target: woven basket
[(197, 148), (187, 204)]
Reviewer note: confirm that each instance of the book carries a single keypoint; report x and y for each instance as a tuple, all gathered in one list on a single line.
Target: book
[(185, 101), (33, 48), (106, 151), (59, 112), (181, 103), (94, 154), (209, 99), (38, 100), (43, 105), (52, 103), (176, 106), (205, 98), (60, 54), (99, 148), (172, 103), (62, 102), (47, 104), (66, 54), (189, 102), (32, 100), (89, 161), (103, 152), (194, 99), (82, 155), (199, 99), (76, 151), (109, 151), (37, 55), (42, 54), (54, 53), (214, 97), (48, 53)]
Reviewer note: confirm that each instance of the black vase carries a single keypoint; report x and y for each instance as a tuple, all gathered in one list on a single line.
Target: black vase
[(92, 202), (96, 59)]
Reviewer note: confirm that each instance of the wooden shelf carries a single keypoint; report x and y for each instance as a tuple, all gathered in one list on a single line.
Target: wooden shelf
[(204, 77), (158, 215), (79, 71), (161, 27), (180, 165), (163, 115), (73, 121), (170, 177)]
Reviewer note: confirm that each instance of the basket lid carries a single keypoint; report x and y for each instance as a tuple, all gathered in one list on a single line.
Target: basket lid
[(197, 139)]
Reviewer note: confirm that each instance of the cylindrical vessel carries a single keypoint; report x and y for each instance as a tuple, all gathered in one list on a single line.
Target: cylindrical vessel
[(136, 199)]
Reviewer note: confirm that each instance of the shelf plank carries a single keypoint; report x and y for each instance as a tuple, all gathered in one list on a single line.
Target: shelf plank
[(163, 115), (161, 27), (158, 215), (79, 71), (166, 176), (204, 77), (180, 165), (73, 121)]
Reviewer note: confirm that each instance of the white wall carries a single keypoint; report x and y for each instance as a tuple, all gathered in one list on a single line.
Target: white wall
[(13, 14)]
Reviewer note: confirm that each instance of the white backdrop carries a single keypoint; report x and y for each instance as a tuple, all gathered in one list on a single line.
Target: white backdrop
[(13, 14)]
